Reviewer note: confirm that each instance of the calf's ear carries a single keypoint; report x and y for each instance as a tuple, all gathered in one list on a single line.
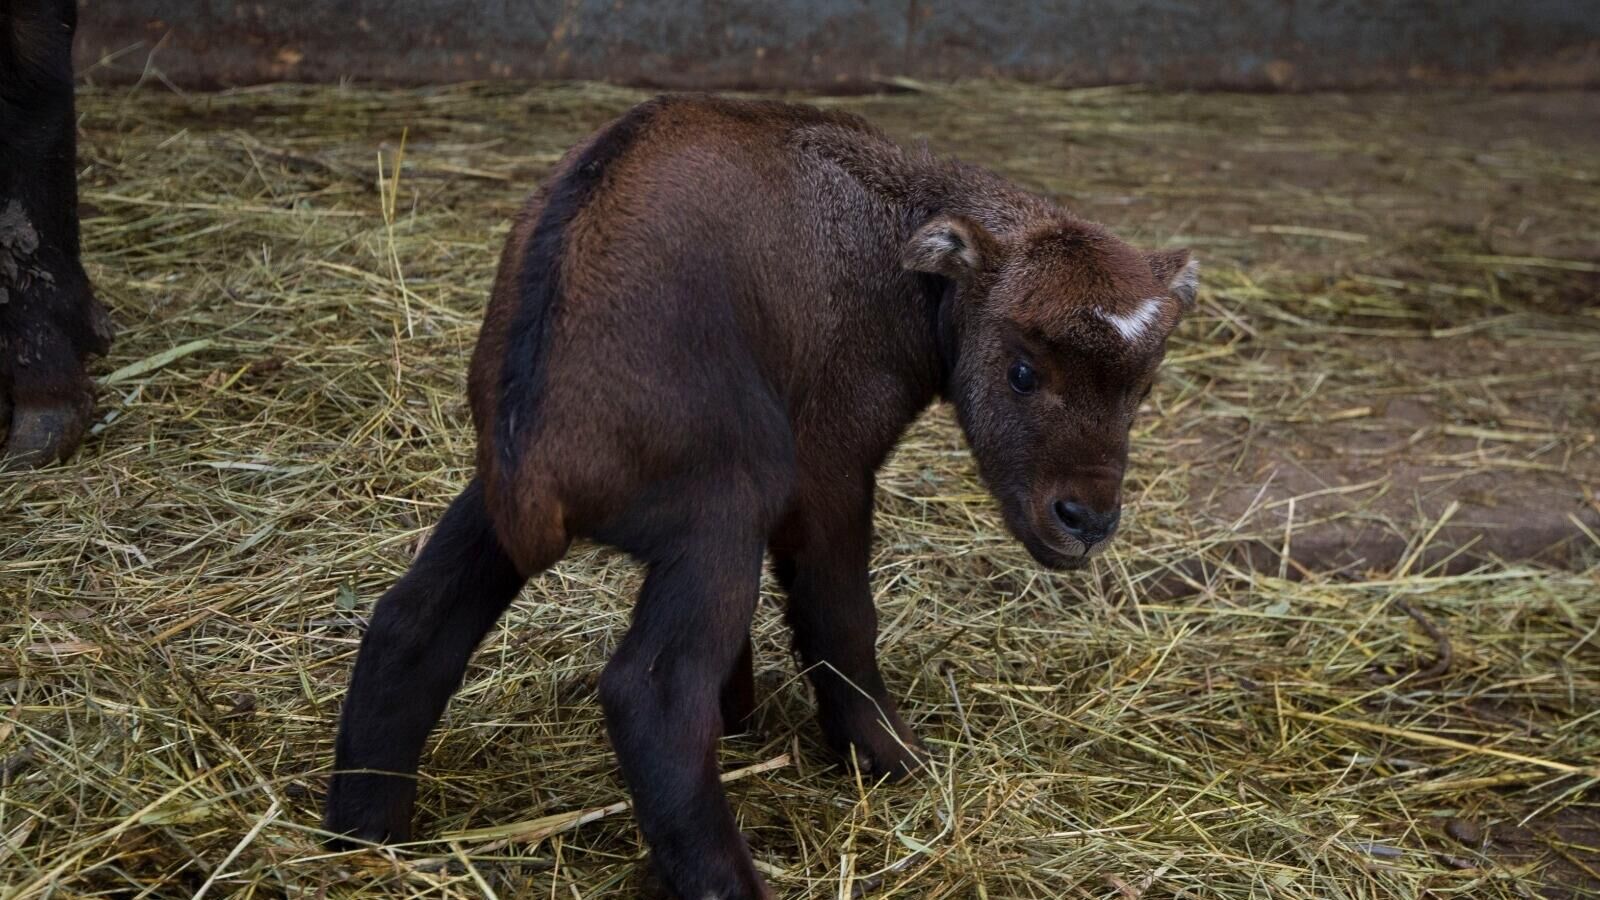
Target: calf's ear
[(950, 245), (1179, 272)]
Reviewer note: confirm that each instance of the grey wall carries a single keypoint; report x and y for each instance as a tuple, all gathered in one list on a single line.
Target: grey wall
[(851, 43)]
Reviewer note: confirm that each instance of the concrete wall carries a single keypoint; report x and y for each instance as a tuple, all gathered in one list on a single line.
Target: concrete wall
[(851, 43)]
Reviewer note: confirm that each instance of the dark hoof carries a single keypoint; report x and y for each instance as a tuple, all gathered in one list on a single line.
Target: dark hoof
[(46, 400), (50, 324), (889, 764), (649, 886), (359, 818), (880, 751), (349, 835), (39, 436)]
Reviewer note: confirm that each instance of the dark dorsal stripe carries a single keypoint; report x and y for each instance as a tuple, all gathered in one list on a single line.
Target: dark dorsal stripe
[(522, 372)]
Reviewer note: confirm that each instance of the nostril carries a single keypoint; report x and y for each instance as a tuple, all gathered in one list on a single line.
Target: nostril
[(1074, 517), (1082, 523)]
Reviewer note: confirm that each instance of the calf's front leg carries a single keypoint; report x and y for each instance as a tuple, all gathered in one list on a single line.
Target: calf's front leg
[(821, 561)]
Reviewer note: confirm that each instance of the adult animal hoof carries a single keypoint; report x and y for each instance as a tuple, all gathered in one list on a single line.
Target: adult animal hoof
[(38, 435)]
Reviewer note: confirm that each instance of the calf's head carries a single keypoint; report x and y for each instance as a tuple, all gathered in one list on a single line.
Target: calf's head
[(1053, 335)]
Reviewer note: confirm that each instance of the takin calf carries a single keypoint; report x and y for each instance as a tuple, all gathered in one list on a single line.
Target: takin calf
[(708, 330), (50, 321)]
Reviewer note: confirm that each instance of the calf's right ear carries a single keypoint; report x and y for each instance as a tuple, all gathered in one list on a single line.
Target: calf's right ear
[(1179, 271), (950, 245)]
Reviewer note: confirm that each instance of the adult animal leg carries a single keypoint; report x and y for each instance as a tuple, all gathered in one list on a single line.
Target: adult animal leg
[(50, 321)]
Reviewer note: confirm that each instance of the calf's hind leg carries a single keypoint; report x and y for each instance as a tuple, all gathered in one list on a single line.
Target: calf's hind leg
[(661, 694), (412, 659)]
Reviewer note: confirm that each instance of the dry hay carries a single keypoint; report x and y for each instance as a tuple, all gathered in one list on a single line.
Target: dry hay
[(284, 419)]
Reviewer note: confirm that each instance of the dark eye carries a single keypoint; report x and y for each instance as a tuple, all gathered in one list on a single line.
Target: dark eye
[(1023, 379)]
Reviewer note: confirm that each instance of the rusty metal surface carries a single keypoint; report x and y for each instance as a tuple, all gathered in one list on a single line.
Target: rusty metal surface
[(1297, 44)]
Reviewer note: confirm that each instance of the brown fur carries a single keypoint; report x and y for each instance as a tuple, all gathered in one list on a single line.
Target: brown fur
[(708, 330)]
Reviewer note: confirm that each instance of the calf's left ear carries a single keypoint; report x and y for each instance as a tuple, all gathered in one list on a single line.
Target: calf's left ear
[(1180, 273), (950, 245)]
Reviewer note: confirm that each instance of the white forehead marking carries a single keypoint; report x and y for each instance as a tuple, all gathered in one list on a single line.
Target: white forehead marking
[(1132, 325)]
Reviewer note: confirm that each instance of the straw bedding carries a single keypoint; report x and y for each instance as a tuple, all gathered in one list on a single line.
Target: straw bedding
[(298, 275)]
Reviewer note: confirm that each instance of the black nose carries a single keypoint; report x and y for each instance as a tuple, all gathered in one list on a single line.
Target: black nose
[(1085, 524)]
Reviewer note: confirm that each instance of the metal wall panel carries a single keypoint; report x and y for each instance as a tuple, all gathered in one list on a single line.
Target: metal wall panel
[(851, 43)]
